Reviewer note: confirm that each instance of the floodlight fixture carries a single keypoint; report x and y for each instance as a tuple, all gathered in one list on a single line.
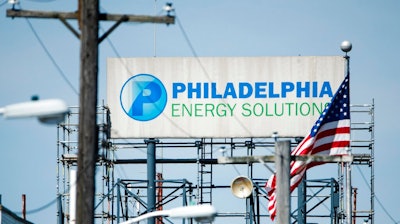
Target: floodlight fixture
[(50, 111), (201, 213)]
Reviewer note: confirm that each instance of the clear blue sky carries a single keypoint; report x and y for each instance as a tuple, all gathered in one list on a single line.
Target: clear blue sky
[(214, 28)]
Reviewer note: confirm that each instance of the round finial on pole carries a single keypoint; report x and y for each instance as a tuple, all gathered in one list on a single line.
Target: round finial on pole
[(346, 46)]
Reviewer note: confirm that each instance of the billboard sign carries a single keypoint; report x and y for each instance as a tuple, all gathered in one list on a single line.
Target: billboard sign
[(186, 97)]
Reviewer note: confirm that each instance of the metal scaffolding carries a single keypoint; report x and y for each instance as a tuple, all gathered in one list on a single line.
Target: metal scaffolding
[(188, 173)]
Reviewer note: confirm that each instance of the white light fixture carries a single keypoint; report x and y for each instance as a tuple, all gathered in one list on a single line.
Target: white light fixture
[(51, 111), (201, 213)]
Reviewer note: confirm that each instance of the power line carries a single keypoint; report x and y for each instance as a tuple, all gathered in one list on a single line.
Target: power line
[(51, 58), (3, 2), (39, 209), (42, 1), (376, 197), (201, 64), (44, 46)]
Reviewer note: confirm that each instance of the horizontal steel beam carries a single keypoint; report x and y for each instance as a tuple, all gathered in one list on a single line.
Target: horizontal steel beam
[(237, 160)]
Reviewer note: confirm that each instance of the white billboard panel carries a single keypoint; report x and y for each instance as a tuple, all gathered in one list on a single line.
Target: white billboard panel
[(185, 97)]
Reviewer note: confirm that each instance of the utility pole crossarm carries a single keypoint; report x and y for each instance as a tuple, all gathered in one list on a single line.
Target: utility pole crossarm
[(246, 159), (102, 16), (41, 14), (271, 159), (324, 159), (137, 18)]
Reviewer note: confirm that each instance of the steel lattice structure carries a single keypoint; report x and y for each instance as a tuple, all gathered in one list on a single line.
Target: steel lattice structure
[(188, 173)]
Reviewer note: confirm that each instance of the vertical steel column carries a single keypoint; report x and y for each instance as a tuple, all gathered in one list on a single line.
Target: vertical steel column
[(258, 205), (354, 206), (119, 200), (151, 175), (372, 164), (72, 196), (335, 191), (249, 209), (282, 164), (184, 200), (301, 201), (60, 218), (250, 200)]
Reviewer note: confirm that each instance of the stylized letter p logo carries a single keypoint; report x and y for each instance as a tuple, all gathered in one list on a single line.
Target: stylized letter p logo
[(143, 97)]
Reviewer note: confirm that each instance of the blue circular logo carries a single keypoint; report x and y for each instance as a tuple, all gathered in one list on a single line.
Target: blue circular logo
[(143, 97)]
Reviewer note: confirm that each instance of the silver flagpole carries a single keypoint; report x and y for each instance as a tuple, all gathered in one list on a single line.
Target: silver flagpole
[(346, 47)]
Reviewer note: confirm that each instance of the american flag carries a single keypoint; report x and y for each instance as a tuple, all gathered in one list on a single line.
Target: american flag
[(330, 135)]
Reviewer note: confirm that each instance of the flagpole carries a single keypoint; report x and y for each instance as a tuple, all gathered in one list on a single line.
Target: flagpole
[(334, 123), (346, 47)]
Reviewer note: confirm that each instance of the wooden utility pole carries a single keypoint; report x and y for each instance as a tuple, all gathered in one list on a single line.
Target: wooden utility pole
[(282, 164), (88, 17), (88, 136)]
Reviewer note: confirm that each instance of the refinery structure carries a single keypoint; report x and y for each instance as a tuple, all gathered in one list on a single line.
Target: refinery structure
[(120, 196)]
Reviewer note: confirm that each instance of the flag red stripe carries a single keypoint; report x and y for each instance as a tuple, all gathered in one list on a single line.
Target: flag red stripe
[(329, 146), (333, 131)]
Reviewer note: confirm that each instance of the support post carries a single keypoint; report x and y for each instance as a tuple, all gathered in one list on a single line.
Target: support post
[(119, 203), (334, 202), (354, 205), (151, 175), (258, 206), (301, 201), (282, 164), (60, 218), (24, 206), (348, 194), (159, 191), (72, 197), (250, 200)]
